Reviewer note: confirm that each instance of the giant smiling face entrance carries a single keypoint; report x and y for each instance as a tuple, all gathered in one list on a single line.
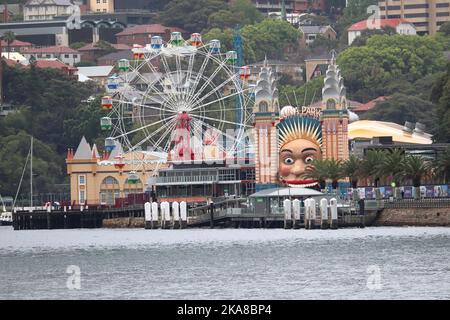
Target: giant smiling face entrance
[(300, 140)]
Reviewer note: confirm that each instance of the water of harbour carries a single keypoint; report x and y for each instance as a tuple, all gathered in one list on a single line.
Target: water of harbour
[(371, 263)]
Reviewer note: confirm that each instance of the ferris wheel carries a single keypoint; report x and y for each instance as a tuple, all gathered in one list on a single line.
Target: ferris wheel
[(178, 98)]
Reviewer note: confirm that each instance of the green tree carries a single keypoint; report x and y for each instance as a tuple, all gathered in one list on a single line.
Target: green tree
[(416, 168), (445, 29), (306, 94), (355, 11), (400, 108), (366, 34), (370, 163), (368, 69), (241, 12), (271, 38), (441, 96), (392, 166), (47, 165), (191, 15), (326, 169), (77, 45), (442, 166), (9, 37), (351, 169)]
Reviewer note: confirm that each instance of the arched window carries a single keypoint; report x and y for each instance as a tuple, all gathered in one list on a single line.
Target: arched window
[(263, 106), (109, 191), (331, 104), (133, 187)]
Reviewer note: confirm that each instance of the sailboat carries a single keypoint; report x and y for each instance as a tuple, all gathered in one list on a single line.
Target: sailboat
[(29, 158)]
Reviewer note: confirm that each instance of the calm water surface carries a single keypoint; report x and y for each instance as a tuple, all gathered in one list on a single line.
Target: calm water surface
[(413, 263)]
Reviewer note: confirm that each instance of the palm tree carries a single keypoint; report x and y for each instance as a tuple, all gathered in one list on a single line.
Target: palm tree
[(442, 165), (415, 169), (370, 165), (318, 171), (334, 168), (326, 169), (392, 165), (9, 37), (352, 170)]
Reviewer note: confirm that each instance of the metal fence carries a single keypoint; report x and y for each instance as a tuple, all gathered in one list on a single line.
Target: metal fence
[(422, 203)]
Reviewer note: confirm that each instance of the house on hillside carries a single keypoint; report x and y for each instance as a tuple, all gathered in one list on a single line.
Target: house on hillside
[(112, 58), (65, 54), (98, 74), (401, 26), (15, 46), (310, 34), (56, 64), (46, 9), (141, 34), (363, 108), (91, 52)]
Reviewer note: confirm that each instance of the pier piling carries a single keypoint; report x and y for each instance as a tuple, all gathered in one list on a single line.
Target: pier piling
[(287, 207)]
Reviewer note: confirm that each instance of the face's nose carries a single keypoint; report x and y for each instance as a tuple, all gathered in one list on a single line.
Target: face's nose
[(298, 168)]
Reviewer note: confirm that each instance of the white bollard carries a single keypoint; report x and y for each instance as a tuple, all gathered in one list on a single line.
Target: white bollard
[(155, 216), (306, 217), (165, 213), (176, 215), (65, 209), (334, 213), (296, 210), (183, 214), (287, 207), (148, 215), (324, 213), (82, 208), (312, 213)]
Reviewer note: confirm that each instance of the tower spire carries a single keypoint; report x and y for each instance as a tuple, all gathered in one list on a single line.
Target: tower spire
[(333, 57)]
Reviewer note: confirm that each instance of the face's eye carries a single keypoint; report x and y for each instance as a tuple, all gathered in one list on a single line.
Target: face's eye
[(289, 161), (309, 160)]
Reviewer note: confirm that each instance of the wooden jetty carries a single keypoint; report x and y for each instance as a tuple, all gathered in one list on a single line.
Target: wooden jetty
[(230, 213)]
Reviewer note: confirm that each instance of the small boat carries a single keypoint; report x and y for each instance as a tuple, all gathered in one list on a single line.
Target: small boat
[(6, 219)]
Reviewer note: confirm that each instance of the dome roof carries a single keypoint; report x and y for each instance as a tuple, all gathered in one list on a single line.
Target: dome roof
[(288, 111)]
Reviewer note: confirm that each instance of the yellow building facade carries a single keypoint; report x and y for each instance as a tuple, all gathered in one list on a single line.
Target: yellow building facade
[(100, 180), (426, 15), (101, 6)]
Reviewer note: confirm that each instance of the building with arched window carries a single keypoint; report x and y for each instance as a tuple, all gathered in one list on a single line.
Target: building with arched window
[(96, 179)]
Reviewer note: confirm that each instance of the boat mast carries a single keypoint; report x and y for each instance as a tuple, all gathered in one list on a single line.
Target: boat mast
[(31, 175)]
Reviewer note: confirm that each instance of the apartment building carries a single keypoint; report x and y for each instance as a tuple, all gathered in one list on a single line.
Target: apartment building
[(426, 15), (46, 9), (266, 6)]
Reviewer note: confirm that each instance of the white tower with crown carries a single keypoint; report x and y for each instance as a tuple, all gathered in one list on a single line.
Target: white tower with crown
[(334, 115), (266, 116)]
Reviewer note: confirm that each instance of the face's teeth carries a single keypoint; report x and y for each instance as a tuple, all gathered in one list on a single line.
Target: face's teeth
[(303, 185)]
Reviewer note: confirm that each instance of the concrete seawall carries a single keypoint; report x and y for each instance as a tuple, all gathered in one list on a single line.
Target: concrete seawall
[(434, 217), (124, 223)]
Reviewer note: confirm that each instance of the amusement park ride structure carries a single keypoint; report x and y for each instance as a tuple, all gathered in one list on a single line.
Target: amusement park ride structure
[(178, 98)]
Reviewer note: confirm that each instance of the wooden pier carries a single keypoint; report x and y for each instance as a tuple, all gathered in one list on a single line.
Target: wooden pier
[(225, 214)]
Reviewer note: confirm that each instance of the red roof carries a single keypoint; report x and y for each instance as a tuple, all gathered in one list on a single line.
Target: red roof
[(17, 43), (52, 64), (92, 47), (364, 24), (55, 49), (369, 105), (11, 63), (148, 29)]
